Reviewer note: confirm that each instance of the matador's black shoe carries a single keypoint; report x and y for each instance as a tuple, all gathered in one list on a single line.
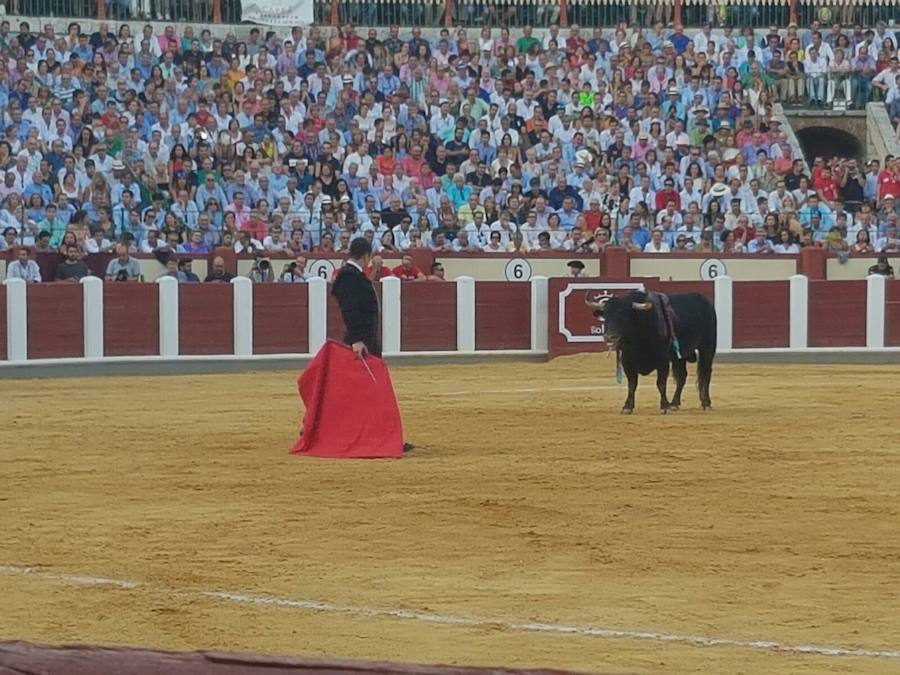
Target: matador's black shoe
[(408, 447)]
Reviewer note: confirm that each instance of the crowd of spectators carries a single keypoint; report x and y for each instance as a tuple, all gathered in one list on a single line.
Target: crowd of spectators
[(297, 141)]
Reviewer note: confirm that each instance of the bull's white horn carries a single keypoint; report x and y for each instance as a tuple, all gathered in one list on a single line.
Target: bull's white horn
[(642, 306)]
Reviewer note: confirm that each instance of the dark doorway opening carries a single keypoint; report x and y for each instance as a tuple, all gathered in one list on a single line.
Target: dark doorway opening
[(827, 142)]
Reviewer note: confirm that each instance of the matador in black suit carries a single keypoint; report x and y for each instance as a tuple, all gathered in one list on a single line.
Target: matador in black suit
[(355, 294), (356, 297)]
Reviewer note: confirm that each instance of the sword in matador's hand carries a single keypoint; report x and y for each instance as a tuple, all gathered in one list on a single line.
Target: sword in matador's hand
[(362, 358)]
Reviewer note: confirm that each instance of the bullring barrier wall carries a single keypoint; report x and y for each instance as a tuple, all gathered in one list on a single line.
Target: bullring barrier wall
[(100, 322)]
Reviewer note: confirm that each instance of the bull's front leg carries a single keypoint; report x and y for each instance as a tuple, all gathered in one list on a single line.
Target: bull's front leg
[(662, 379), (632, 376)]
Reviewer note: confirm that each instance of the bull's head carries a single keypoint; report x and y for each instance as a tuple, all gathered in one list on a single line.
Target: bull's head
[(621, 314)]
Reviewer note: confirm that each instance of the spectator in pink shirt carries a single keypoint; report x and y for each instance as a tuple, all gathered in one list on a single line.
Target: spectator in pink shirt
[(642, 147), (168, 41), (240, 210), (440, 80), (413, 164)]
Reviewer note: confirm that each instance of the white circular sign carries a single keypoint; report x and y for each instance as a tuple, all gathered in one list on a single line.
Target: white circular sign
[(711, 268), (518, 269), (322, 268)]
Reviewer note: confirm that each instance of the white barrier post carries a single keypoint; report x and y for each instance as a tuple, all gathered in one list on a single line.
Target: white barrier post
[(465, 314), (390, 314), (318, 313), (724, 302), (168, 316), (242, 315), (876, 293), (16, 320), (92, 303), (539, 313), (799, 295)]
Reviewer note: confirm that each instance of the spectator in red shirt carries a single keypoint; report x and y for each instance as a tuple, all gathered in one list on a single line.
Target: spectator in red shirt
[(824, 184), (889, 178), (575, 42), (407, 271), (255, 225), (377, 271), (386, 162), (667, 194), (414, 162), (203, 115), (593, 216)]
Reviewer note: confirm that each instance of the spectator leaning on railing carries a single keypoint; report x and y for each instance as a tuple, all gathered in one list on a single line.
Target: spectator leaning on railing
[(298, 142)]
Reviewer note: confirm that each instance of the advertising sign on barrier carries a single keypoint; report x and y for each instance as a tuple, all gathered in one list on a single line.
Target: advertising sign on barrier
[(278, 12), (576, 322)]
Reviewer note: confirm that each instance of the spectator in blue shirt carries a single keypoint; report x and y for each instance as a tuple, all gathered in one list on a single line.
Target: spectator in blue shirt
[(388, 83), (459, 192), (38, 187), (678, 39)]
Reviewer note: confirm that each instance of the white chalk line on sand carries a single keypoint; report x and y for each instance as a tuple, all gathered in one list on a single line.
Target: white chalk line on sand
[(524, 390), (455, 620)]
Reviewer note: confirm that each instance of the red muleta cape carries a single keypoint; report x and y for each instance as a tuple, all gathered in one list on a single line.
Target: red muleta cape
[(348, 414)]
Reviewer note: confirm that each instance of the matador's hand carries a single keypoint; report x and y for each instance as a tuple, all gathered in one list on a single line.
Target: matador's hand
[(359, 348)]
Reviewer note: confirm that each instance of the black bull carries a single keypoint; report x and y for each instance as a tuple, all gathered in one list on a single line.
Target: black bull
[(637, 327)]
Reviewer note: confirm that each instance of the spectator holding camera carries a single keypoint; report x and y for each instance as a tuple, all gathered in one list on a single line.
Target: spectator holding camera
[(295, 272), (261, 272), (882, 267), (123, 267)]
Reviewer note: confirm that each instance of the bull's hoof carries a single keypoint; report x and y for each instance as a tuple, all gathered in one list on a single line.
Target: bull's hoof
[(663, 411), (708, 406), (627, 411), (674, 407)]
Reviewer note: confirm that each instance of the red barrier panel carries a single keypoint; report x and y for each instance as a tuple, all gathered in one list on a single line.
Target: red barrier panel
[(502, 315), (3, 355), (427, 316), (55, 321), (280, 319), (762, 314), (130, 319), (813, 262), (205, 319), (892, 314), (615, 262), (837, 313)]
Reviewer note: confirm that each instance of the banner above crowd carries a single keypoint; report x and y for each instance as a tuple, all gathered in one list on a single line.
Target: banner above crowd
[(279, 12)]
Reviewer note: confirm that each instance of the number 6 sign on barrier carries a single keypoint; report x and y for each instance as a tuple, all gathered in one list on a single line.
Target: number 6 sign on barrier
[(518, 269), (322, 268), (712, 268)]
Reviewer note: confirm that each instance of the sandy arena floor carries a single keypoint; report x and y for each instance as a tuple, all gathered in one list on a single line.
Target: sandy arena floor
[(530, 499)]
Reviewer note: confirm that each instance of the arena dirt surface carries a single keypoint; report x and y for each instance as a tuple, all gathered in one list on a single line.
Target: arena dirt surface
[(529, 499)]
